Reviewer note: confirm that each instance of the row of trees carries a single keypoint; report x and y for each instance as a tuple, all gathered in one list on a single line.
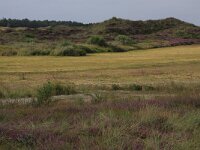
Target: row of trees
[(35, 23)]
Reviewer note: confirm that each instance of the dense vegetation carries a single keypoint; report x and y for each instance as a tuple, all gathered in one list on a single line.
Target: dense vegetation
[(25, 37), (35, 23)]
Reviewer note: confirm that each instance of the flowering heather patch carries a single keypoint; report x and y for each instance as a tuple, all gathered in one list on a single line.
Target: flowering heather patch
[(180, 41), (120, 124), (30, 138)]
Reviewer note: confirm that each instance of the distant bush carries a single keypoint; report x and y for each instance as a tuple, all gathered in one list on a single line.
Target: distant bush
[(8, 52), (69, 51), (148, 88), (1, 94), (92, 48), (64, 90), (97, 40), (66, 43), (87, 49), (33, 52), (135, 87), (116, 87), (29, 35), (47, 90), (123, 39), (116, 49), (44, 94)]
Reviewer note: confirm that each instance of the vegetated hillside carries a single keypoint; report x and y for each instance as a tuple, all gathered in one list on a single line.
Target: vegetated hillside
[(119, 34)]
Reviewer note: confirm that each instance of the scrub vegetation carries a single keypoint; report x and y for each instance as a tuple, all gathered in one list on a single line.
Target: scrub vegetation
[(39, 38)]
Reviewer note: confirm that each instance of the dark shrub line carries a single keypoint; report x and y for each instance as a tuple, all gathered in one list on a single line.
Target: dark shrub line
[(133, 87)]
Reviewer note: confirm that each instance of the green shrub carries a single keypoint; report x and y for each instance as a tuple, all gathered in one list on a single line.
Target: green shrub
[(116, 87), (93, 48), (47, 90), (87, 49), (44, 94), (8, 52), (97, 40), (29, 35), (39, 53), (148, 88), (123, 39), (69, 51), (116, 49), (33, 52), (1, 94), (66, 43), (135, 87), (64, 90)]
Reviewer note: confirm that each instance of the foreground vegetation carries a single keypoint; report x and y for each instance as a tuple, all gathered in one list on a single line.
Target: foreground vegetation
[(134, 100), (167, 123)]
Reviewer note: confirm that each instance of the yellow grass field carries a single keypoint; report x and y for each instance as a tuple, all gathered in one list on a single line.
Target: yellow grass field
[(155, 66), (145, 99)]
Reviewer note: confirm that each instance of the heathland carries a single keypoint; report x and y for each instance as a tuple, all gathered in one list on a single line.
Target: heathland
[(123, 93)]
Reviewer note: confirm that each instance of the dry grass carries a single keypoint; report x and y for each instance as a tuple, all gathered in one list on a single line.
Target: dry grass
[(165, 117), (156, 66)]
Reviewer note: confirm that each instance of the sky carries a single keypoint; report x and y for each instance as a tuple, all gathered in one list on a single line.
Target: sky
[(91, 11)]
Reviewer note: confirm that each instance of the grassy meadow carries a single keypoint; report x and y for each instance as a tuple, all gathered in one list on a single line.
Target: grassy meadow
[(141, 99)]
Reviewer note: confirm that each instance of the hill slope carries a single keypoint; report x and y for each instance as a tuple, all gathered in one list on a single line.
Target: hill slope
[(142, 34)]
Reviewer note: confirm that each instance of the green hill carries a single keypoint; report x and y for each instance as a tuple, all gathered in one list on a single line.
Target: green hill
[(118, 33)]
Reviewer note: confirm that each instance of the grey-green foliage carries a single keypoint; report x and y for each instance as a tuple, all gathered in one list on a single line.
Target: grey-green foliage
[(125, 40), (70, 50), (97, 40), (44, 93), (47, 90)]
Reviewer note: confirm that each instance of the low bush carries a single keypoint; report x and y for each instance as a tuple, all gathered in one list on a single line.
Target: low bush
[(8, 52), (1, 94), (47, 90), (148, 88), (39, 52), (97, 40), (33, 52), (124, 40), (64, 90), (116, 49), (88, 49), (69, 51), (66, 43), (116, 87), (135, 87), (44, 94)]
